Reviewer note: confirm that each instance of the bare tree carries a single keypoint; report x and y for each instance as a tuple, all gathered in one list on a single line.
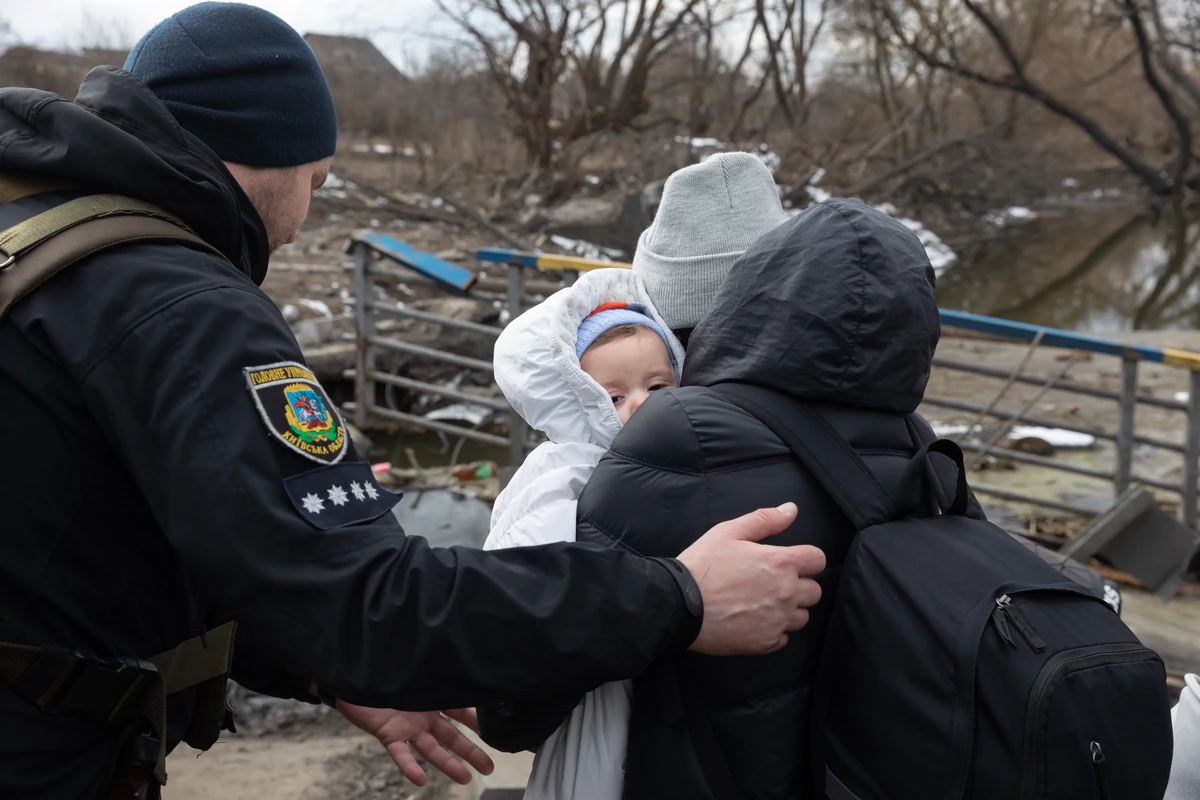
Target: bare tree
[(940, 38), (572, 68), (523, 46)]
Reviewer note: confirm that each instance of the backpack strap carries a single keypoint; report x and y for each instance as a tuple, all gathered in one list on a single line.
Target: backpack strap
[(823, 452), (838, 468), (33, 251)]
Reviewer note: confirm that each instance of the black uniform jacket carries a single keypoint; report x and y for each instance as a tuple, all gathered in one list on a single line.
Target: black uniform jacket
[(171, 464)]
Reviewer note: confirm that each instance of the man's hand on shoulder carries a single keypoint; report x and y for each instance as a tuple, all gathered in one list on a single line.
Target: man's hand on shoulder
[(753, 594)]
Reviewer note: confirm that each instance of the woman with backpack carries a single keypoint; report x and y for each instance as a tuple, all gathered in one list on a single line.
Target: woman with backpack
[(801, 384)]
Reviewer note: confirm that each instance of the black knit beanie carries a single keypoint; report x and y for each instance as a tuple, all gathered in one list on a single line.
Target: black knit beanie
[(241, 80)]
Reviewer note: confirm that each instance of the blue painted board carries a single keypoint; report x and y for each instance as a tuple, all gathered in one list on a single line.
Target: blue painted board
[(451, 276)]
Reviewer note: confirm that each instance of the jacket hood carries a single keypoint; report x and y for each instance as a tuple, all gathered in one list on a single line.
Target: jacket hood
[(835, 305), (118, 137), (536, 366)]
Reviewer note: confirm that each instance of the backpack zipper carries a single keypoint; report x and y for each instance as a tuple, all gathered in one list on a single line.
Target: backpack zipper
[(1005, 609), (1101, 773), (1033, 772)]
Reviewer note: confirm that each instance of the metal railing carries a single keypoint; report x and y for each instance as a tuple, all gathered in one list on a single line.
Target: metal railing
[(369, 341), (1126, 437)]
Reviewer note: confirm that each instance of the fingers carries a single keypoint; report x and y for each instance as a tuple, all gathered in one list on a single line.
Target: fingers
[(758, 525), (402, 757), (454, 739), (804, 559), (440, 759), (464, 716), (797, 620)]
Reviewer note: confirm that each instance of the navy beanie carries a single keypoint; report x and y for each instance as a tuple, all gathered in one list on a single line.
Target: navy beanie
[(241, 80)]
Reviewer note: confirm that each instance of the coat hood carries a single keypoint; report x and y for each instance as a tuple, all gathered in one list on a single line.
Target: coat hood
[(536, 366), (118, 137), (835, 305)]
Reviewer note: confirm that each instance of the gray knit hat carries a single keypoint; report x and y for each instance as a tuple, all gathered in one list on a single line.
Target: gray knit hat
[(709, 215)]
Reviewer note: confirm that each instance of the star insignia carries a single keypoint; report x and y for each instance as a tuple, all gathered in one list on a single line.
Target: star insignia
[(356, 489), (338, 496), (372, 492), (313, 504)]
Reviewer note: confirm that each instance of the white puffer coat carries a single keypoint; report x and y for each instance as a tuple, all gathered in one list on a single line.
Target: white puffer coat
[(536, 368)]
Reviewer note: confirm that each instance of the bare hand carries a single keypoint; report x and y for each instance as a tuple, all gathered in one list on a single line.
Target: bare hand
[(430, 732), (753, 594)]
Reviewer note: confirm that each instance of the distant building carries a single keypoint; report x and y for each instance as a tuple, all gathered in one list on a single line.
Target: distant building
[(367, 87)]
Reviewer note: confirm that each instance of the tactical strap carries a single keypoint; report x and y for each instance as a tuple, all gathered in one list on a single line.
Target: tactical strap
[(33, 251), (121, 690)]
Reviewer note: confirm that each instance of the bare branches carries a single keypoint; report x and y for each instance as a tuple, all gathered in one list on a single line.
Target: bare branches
[(943, 55)]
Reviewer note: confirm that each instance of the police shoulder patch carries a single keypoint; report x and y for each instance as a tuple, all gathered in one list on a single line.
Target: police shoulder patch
[(339, 495), (297, 411)]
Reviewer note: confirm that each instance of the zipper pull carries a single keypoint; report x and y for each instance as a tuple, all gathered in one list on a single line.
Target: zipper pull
[(1101, 772), (1001, 622), (1027, 632)]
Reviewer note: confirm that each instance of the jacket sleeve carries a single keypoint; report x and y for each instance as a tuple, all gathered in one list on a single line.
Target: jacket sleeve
[(374, 616), (538, 505), (632, 496)]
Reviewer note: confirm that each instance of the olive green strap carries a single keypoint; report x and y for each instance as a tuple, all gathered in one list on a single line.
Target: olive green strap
[(202, 662), (33, 251), (14, 186), (59, 681)]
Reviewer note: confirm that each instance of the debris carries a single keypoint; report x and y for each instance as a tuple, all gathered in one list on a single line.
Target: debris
[(461, 412), (1137, 536), (586, 249)]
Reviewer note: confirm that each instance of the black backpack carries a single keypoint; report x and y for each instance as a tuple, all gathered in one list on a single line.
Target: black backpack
[(957, 663)]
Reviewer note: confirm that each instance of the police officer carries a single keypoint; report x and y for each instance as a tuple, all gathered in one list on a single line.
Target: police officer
[(171, 464)]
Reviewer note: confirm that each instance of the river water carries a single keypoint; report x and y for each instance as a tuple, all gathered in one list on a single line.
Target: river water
[(1099, 270)]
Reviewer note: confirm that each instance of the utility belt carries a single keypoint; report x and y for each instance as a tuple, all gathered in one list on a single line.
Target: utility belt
[(130, 693)]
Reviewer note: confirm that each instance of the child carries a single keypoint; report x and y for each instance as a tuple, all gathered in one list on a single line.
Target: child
[(576, 368)]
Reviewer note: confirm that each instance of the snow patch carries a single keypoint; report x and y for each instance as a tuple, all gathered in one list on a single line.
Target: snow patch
[(334, 187), (317, 306), (290, 312), (1182, 397), (1000, 219), (1070, 183), (1067, 440), (700, 143), (592, 180), (771, 160), (586, 249)]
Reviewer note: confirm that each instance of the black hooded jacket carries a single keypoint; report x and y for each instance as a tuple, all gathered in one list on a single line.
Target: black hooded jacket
[(835, 308), (145, 497)]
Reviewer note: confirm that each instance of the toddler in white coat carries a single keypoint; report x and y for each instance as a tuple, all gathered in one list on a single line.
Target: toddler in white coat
[(576, 368)]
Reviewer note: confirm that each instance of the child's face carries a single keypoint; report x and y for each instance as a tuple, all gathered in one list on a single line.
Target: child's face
[(629, 369)]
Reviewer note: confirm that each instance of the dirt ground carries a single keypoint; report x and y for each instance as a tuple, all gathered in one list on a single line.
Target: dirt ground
[(294, 751)]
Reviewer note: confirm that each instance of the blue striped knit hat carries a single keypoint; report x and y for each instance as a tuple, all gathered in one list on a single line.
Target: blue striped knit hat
[(611, 315)]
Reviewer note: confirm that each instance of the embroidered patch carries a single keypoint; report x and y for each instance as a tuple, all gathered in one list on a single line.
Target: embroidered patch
[(340, 495), (297, 411)]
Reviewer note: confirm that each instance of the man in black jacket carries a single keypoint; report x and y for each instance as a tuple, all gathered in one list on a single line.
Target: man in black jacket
[(834, 308), (174, 464)]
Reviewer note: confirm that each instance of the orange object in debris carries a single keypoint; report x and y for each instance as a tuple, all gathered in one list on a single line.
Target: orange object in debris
[(476, 470), (378, 469)]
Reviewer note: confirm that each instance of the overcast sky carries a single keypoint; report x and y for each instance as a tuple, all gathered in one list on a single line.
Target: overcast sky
[(400, 28)]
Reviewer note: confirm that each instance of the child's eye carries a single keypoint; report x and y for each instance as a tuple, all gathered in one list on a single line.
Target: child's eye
[(616, 398), (658, 386)]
